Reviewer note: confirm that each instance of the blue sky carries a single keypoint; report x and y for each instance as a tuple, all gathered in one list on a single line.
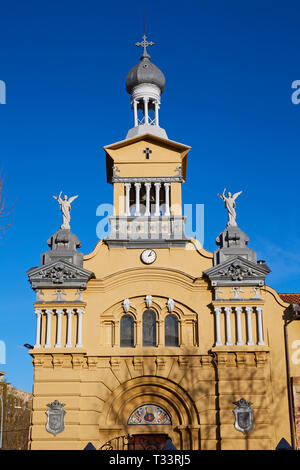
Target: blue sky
[(229, 67)]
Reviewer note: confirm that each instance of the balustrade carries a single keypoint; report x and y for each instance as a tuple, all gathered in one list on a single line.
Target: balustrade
[(60, 313), (159, 207), (248, 333)]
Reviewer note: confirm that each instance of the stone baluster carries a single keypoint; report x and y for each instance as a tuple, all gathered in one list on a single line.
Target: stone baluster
[(135, 113), (127, 198), (137, 198), (69, 328), (167, 198), (148, 188), (38, 328), (80, 312), (157, 189), (249, 326), (156, 113), (146, 112), (59, 313), (48, 328), (259, 326), (239, 340), (217, 311), (228, 327)]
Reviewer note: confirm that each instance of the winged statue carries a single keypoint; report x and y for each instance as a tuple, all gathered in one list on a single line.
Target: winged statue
[(65, 207), (230, 205)]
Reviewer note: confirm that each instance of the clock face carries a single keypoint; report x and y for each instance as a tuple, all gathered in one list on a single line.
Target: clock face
[(148, 256)]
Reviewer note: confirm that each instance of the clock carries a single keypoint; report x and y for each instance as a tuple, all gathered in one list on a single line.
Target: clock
[(148, 256)]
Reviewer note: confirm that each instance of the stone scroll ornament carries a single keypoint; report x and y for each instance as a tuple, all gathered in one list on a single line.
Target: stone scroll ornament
[(243, 416), (56, 415)]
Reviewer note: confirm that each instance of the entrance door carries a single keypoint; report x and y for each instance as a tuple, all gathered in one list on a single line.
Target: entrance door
[(147, 441)]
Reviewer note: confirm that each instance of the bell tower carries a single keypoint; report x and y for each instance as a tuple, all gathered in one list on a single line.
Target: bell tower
[(146, 168), (145, 82)]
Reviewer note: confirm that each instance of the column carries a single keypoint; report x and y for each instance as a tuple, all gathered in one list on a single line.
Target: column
[(148, 187), (157, 188), (116, 333), (218, 329), (48, 330), (59, 313), (127, 198), (146, 100), (38, 328), (249, 326), (135, 115), (80, 312), (167, 198), (239, 340), (69, 328), (259, 326), (180, 335), (160, 333), (156, 113), (228, 328), (137, 198), (138, 333)]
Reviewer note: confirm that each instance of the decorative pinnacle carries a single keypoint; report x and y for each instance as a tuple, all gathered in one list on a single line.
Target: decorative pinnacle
[(144, 43)]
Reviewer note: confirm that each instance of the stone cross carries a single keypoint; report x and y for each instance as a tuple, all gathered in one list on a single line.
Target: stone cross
[(217, 292), (78, 294), (237, 291), (59, 293), (38, 294)]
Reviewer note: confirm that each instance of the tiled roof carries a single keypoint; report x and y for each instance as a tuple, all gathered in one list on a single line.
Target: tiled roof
[(291, 298)]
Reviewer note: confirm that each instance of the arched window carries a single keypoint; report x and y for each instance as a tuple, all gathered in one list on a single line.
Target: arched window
[(127, 332), (149, 328), (171, 330)]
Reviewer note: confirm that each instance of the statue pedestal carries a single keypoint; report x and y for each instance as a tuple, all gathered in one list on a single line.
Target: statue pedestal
[(233, 242), (63, 245)]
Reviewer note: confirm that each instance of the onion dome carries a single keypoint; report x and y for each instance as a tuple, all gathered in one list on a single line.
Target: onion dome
[(145, 71)]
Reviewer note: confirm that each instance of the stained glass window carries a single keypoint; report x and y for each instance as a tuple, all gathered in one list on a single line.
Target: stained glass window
[(149, 414), (127, 331), (171, 330), (149, 328)]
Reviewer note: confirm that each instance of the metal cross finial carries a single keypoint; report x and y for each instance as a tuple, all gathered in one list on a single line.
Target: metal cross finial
[(144, 44)]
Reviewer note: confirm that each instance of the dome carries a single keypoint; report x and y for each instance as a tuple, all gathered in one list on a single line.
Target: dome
[(145, 72)]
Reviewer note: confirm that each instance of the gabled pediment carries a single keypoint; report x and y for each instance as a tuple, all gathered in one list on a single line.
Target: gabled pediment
[(59, 273), (127, 158), (237, 271)]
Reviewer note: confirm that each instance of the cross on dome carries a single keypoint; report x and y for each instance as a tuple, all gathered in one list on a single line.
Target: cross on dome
[(144, 43), (145, 82)]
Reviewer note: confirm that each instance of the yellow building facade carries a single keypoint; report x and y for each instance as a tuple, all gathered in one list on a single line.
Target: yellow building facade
[(151, 337)]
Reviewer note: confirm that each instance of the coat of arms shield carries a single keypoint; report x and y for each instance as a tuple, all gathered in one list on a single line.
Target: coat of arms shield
[(243, 416), (56, 414)]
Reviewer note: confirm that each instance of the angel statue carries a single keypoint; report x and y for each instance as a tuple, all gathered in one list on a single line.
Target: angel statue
[(65, 207), (230, 206)]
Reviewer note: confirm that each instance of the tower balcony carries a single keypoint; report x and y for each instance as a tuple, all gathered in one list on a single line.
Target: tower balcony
[(147, 231)]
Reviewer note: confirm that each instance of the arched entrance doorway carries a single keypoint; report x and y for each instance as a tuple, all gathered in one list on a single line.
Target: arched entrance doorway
[(148, 410)]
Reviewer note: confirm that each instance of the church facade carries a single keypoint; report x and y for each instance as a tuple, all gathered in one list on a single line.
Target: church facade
[(150, 337)]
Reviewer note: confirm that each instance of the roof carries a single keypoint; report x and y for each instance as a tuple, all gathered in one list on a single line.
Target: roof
[(291, 298), (145, 72)]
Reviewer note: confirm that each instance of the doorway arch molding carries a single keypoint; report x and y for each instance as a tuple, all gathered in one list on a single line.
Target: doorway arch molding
[(148, 389)]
